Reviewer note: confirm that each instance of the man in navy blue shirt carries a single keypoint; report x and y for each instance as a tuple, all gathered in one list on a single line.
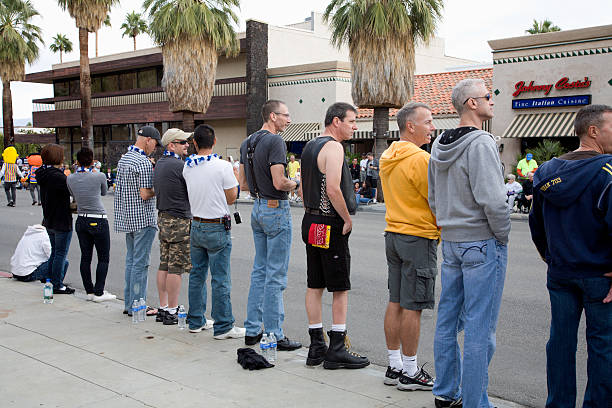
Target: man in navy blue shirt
[(571, 226)]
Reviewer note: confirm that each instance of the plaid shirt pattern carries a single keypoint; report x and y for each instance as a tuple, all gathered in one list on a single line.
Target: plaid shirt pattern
[(132, 213)]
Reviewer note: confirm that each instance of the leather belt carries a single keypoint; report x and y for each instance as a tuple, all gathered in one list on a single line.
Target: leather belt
[(93, 215), (209, 220), (318, 212)]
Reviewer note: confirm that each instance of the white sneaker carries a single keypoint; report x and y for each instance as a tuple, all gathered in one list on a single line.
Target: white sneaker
[(207, 326), (89, 296), (104, 297), (234, 333)]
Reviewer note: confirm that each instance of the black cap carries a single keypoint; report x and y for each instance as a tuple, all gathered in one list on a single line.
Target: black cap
[(150, 131)]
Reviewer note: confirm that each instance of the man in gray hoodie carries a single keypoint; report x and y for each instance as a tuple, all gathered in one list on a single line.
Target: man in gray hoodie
[(468, 198)]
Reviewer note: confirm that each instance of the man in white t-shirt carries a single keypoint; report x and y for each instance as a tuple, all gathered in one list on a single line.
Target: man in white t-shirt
[(211, 186)]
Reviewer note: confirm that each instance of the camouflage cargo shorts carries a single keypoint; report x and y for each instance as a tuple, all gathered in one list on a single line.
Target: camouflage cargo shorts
[(173, 235)]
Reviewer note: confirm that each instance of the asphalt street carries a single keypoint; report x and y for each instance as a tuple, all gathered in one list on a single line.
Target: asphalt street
[(518, 369)]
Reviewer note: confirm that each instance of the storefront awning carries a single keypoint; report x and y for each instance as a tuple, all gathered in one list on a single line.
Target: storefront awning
[(553, 124), (296, 132)]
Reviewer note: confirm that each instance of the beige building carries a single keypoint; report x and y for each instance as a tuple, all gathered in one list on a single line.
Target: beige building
[(541, 81)]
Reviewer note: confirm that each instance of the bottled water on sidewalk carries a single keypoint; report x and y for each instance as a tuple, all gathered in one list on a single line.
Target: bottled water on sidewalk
[(263, 346), (142, 310), (272, 348), (182, 318), (48, 292), (135, 311)]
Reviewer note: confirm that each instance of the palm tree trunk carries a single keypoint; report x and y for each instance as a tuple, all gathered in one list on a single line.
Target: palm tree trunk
[(381, 130), (7, 114), (86, 119), (188, 121), (61, 60), (96, 44), (134, 43)]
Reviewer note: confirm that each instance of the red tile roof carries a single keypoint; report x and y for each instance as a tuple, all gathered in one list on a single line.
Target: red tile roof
[(435, 90)]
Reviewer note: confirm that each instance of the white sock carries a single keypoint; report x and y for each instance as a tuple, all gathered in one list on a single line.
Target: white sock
[(410, 364), (171, 310), (315, 326), (163, 307), (395, 359), (339, 327)]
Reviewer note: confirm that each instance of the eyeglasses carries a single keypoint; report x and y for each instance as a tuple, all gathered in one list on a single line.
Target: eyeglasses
[(487, 97), (181, 142), (284, 114)]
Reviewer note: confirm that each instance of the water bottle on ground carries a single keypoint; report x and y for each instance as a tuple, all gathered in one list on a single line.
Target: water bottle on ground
[(135, 311), (272, 348), (182, 318), (263, 346), (48, 292), (142, 310)]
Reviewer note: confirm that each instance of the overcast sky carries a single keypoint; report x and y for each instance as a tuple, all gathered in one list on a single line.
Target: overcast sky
[(466, 26)]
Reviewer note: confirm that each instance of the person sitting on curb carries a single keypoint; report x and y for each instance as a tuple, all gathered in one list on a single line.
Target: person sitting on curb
[(30, 262)]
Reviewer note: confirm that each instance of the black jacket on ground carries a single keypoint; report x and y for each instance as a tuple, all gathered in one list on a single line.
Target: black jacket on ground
[(55, 199)]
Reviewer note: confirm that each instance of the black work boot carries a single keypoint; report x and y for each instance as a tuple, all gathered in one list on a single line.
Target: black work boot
[(338, 354), (318, 348)]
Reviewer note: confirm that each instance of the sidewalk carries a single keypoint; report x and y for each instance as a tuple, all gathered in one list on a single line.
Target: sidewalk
[(75, 353)]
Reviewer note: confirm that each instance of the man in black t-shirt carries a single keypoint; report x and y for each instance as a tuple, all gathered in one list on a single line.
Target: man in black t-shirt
[(263, 158), (174, 221)]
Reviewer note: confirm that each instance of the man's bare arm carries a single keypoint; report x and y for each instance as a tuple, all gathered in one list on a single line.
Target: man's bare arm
[(279, 180), (332, 157), (147, 193), (242, 179), (231, 194)]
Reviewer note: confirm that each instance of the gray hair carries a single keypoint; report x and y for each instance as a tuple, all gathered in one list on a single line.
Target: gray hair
[(589, 116), (407, 113), (511, 177), (463, 90)]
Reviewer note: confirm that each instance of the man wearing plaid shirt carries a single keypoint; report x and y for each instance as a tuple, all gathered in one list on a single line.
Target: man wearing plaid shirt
[(135, 212)]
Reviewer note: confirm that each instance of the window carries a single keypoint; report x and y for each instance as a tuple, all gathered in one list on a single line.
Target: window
[(96, 84), (127, 81), (120, 132), (63, 135), (60, 88), (147, 78), (75, 87), (110, 83)]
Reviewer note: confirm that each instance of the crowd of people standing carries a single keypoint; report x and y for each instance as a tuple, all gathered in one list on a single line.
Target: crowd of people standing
[(454, 197)]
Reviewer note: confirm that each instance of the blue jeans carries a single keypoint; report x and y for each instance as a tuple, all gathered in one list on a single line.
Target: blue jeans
[(472, 278), (568, 298), (272, 235), (362, 200), (211, 246), (41, 273), (137, 261), (60, 243)]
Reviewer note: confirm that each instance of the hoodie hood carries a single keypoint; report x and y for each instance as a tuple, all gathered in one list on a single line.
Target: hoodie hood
[(45, 175), (397, 152), (562, 182), (444, 155)]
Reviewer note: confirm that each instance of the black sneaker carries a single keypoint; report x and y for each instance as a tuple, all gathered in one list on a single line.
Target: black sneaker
[(444, 403), (392, 375), (420, 381), (252, 340), (64, 290), (285, 344), (170, 319), (160, 315)]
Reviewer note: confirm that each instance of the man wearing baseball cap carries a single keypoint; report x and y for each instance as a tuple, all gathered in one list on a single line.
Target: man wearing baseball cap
[(135, 212), (526, 166), (174, 220)]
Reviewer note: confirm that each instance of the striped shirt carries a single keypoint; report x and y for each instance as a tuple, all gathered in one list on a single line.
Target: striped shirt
[(33, 174), (10, 171), (132, 213)]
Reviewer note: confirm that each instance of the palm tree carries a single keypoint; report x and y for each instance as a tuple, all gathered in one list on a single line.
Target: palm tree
[(381, 36), (105, 23), (62, 44), (18, 45), (133, 26), (191, 34), (89, 16), (546, 26)]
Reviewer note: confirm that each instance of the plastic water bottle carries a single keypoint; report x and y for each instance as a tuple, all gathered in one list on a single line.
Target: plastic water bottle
[(142, 310), (48, 292), (135, 311), (182, 318), (263, 346), (272, 348)]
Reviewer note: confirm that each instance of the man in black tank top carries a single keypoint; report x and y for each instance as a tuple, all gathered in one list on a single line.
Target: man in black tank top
[(329, 201)]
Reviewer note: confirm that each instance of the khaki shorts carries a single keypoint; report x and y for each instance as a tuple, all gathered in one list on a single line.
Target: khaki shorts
[(174, 254)]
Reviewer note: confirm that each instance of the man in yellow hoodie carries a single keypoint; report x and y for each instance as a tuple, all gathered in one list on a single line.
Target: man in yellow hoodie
[(411, 239)]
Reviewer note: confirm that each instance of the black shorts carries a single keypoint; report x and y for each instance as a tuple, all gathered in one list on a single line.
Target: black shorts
[(327, 268)]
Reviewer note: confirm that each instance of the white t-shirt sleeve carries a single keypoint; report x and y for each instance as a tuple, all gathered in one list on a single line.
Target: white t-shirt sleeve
[(229, 179)]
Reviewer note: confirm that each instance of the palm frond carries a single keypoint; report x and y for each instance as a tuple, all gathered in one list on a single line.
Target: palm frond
[(88, 14), (19, 38)]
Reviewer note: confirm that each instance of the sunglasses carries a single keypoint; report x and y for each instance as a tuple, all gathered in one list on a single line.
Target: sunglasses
[(487, 97), (181, 142)]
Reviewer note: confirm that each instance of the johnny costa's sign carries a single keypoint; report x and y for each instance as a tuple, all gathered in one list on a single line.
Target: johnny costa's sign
[(562, 84)]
